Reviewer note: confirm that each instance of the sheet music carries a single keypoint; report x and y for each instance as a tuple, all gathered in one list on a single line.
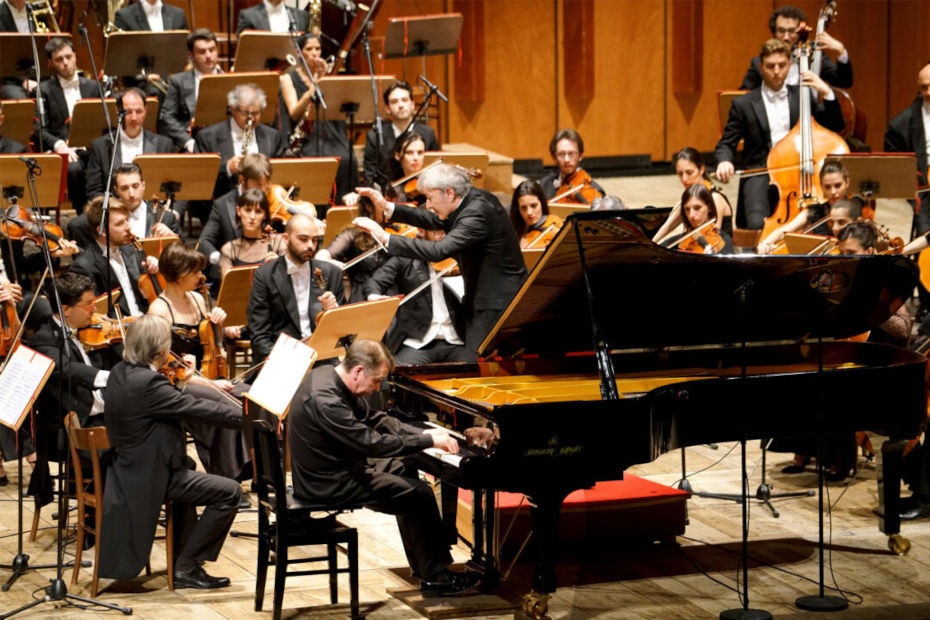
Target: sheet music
[(20, 383), (282, 373)]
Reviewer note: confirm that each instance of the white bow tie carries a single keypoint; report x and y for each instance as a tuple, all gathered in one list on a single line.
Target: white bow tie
[(303, 269), (777, 95)]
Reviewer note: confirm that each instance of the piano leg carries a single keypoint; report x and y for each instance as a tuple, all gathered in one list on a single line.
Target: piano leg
[(483, 553), (889, 495), (449, 494)]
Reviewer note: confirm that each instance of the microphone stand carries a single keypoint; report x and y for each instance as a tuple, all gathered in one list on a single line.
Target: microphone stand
[(374, 89), (421, 111), (93, 63), (105, 219), (57, 590), (292, 31)]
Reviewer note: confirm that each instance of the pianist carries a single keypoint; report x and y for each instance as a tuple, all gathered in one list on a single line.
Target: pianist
[(342, 453)]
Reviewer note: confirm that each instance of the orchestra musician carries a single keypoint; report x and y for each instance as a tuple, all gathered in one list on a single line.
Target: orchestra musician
[(145, 219), (178, 109), (285, 295), (834, 181), (909, 132), (242, 134), (151, 15), (530, 217), (274, 16), (398, 98), (478, 235), (14, 18), (690, 169), (60, 93), (343, 451), (143, 413), (698, 207), (255, 246), (184, 308), (324, 138), (784, 24), (8, 146), (125, 266), (567, 149), (778, 102), (134, 140)]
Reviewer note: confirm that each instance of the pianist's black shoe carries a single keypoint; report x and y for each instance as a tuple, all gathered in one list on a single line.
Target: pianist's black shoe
[(198, 578), (448, 583), (912, 509)]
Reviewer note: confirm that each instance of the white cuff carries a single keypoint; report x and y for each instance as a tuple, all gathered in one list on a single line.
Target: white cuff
[(844, 57), (829, 96), (390, 210), (100, 381), (189, 146), (215, 258)]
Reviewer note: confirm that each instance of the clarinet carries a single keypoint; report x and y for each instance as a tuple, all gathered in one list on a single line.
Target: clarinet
[(247, 137)]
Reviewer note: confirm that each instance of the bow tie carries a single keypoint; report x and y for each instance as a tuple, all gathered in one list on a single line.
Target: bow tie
[(74, 82), (777, 95), (303, 269)]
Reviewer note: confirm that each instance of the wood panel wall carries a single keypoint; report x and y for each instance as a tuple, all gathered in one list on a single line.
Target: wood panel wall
[(609, 67)]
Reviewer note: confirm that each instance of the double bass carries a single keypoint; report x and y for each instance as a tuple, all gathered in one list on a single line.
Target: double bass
[(794, 163)]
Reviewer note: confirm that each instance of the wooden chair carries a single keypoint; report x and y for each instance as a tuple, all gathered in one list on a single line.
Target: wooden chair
[(294, 526), (90, 493)]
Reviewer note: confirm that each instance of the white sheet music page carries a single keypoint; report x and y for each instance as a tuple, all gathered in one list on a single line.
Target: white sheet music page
[(284, 369), (20, 383)]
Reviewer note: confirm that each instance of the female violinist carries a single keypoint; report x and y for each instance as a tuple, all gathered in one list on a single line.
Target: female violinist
[(698, 208), (834, 182), (408, 160), (255, 245), (323, 138), (690, 170), (567, 149), (529, 214)]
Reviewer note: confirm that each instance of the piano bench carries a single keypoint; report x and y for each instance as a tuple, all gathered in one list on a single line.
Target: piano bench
[(632, 508)]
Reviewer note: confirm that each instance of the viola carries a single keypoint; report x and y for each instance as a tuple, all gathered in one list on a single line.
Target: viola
[(102, 332), (214, 364), (21, 225), (583, 192), (150, 284), (282, 207)]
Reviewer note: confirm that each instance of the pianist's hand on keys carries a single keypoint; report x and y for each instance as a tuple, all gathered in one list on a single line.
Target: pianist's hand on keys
[(443, 440)]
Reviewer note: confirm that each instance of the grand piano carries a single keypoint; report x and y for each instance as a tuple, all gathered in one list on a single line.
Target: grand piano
[(616, 350)]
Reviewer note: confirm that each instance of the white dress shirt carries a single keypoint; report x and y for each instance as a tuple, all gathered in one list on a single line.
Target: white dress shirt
[(21, 18), (300, 279), (130, 147), (153, 16), (122, 275), (100, 379), (277, 17), (440, 328), (137, 219), (72, 90), (777, 112), (925, 113)]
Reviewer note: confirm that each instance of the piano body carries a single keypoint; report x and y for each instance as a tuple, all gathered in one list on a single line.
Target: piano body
[(616, 350)]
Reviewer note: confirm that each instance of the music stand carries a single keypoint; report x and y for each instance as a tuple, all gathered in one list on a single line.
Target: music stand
[(477, 161), (880, 175), (234, 294), (724, 101), (563, 210), (423, 35), (312, 177), (181, 176), (152, 246), (337, 219), (16, 51), (211, 96), (50, 184), (18, 119), (144, 52), (262, 51), (88, 122), (350, 95), (801, 243), (368, 320)]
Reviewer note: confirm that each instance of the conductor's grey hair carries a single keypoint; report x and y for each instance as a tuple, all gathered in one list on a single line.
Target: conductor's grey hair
[(146, 338), (445, 176), (246, 94)]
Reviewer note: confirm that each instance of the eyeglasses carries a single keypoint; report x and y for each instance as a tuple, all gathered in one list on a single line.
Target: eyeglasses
[(566, 154), (252, 113)]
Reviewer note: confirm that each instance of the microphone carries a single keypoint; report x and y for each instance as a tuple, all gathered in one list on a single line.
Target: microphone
[(119, 106), (81, 21), (31, 163), (433, 88)]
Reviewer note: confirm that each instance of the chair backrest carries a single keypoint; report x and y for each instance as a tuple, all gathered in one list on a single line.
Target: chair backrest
[(93, 440), (269, 470)]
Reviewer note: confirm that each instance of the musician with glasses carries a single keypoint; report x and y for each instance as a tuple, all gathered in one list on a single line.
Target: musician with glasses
[(567, 149), (242, 134)]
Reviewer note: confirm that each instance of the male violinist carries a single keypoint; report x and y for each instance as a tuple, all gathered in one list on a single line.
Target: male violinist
[(784, 24), (125, 265), (567, 149), (761, 118)]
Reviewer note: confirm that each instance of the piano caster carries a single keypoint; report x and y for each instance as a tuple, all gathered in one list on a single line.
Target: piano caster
[(898, 544), (536, 605)]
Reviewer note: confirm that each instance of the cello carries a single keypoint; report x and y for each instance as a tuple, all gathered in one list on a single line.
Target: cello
[(795, 162)]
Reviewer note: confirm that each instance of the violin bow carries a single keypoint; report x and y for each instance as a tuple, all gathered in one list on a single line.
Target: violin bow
[(541, 235), (568, 192), (696, 231), (427, 284), (374, 250)]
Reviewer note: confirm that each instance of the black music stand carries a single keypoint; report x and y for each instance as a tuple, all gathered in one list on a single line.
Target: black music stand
[(144, 52), (16, 52), (882, 175), (427, 35), (262, 51)]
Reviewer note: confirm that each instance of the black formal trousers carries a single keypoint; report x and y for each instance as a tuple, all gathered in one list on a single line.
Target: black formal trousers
[(435, 352), (200, 540), (221, 450)]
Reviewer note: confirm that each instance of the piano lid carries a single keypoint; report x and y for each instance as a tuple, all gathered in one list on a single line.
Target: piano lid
[(648, 296)]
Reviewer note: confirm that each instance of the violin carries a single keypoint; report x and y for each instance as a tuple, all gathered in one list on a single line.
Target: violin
[(321, 283), (214, 364), (282, 207), (150, 284), (581, 189), (19, 225), (701, 238), (102, 332), (540, 237), (175, 370), (9, 326), (448, 267)]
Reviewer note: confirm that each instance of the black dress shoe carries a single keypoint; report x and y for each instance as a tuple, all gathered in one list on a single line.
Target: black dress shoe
[(4, 480), (244, 503), (198, 578), (795, 467), (920, 511), (448, 583)]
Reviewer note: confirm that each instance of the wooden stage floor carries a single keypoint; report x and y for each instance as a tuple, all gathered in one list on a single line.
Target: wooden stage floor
[(692, 579)]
